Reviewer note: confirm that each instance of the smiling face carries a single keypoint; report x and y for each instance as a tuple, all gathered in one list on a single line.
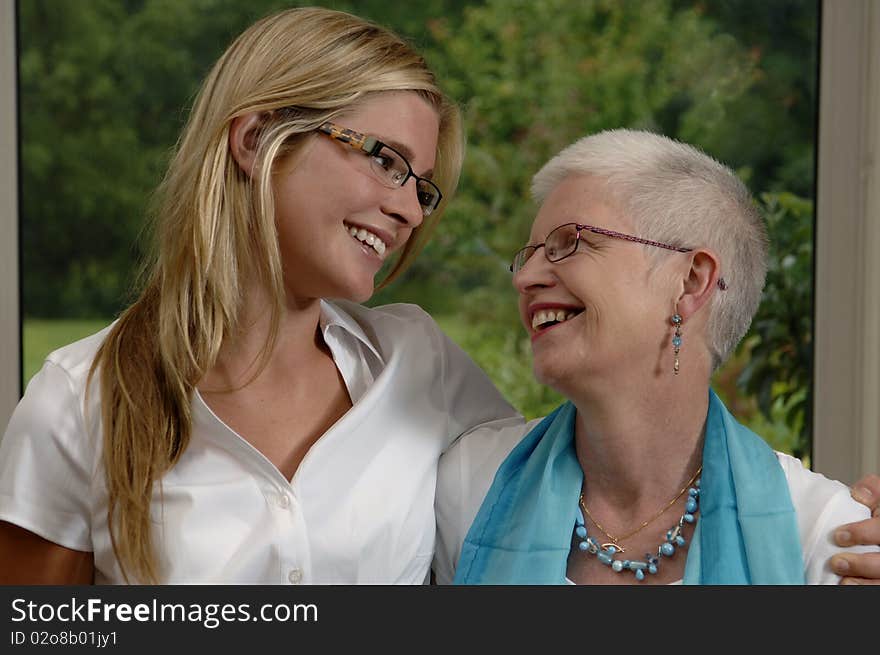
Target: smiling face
[(601, 312), (336, 221)]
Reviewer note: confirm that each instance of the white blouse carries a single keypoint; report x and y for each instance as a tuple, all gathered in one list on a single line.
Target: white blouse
[(358, 510), (468, 469)]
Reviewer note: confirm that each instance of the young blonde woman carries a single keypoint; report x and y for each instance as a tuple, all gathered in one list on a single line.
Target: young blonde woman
[(233, 425)]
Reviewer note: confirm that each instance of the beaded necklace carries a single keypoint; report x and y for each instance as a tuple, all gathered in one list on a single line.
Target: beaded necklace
[(606, 552)]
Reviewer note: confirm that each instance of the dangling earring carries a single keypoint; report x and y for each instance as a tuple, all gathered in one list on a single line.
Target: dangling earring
[(676, 339)]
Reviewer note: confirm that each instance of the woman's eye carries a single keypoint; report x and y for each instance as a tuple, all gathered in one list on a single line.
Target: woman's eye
[(384, 161)]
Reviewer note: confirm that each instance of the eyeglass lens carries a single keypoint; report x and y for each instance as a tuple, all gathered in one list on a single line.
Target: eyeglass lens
[(560, 243), (394, 169)]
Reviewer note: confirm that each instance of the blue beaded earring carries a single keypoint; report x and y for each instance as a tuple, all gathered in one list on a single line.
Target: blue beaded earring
[(676, 339)]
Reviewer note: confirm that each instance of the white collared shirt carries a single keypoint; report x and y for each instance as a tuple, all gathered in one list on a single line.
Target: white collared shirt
[(358, 510), (467, 471)]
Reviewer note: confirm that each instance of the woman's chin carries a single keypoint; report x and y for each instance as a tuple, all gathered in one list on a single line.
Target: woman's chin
[(549, 373), (359, 292)]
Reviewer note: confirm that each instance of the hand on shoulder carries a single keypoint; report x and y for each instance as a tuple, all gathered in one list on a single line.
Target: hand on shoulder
[(863, 568)]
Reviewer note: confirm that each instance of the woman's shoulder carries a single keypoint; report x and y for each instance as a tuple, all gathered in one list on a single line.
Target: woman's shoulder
[(76, 358), (815, 496), (466, 472), (50, 453), (486, 446), (809, 487), (821, 505), (468, 467)]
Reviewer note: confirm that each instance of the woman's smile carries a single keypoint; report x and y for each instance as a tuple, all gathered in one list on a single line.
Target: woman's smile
[(546, 317)]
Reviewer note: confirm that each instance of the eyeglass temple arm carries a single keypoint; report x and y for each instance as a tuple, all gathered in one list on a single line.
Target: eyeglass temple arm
[(368, 144)]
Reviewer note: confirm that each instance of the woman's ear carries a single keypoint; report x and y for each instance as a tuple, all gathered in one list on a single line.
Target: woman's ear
[(244, 140), (702, 280)]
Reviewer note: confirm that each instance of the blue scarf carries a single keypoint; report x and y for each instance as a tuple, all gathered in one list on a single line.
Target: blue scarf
[(746, 531)]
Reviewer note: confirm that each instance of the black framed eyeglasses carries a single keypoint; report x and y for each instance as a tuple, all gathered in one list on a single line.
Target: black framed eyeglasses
[(388, 165), (563, 241)]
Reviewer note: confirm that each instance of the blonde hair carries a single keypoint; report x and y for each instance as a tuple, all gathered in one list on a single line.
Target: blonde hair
[(676, 194), (215, 231)]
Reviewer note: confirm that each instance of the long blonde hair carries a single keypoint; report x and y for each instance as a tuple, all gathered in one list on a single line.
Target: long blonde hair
[(215, 230)]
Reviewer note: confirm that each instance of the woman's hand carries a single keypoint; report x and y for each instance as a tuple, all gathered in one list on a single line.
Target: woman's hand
[(861, 568)]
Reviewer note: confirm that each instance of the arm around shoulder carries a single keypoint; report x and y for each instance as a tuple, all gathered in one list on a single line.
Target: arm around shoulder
[(472, 398), (821, 505)]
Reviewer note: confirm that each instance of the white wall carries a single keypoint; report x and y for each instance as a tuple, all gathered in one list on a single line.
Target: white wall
[(846, 441), (10, 350)]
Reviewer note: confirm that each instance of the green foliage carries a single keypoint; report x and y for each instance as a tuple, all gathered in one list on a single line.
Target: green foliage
[(770, 127), (104, 88), (779, 368)]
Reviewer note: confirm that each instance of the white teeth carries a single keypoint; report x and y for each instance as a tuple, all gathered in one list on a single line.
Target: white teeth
[(547, 316), (369, 238)]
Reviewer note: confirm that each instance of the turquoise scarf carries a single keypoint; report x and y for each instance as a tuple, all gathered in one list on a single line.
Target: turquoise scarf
[(746, 530)]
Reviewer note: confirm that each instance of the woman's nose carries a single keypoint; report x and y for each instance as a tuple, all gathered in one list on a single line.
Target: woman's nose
[(402, 203), (536, 272)]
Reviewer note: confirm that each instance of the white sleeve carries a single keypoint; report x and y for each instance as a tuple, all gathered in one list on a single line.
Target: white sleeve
[(471, 398), (822, 505), (47, 464), (448, 513), (466, 472)]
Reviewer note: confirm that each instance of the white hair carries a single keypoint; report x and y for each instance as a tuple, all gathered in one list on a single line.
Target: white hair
[(676, 194)]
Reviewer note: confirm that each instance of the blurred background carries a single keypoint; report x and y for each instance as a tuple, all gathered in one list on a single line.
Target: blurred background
[(105, 87)]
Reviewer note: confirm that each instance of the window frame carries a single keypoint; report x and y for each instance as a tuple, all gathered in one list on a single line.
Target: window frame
[(846, 327)]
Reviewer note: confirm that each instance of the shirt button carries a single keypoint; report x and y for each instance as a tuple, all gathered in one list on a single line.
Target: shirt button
[(283, 501), (295, 576)]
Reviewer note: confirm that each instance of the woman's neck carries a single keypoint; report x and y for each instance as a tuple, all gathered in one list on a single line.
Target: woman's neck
[(638, 448), (297, 342)]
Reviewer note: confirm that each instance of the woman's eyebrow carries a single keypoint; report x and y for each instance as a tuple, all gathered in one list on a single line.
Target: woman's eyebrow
[(404, 150)]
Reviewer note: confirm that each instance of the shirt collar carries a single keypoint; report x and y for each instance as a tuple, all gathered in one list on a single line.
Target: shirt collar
[(333, 315)]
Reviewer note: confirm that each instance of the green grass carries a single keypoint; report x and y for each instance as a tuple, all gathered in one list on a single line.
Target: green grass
[(41, 336)]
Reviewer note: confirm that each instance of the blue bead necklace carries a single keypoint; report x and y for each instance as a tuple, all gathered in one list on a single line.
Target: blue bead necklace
[(606, 552)]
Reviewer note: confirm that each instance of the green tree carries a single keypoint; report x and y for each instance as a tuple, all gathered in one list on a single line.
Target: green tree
[(770, 128), (778, 368)]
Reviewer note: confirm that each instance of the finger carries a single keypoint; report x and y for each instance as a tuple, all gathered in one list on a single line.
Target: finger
[(865, 533), (862, 581), (855, 566), (867, 492)]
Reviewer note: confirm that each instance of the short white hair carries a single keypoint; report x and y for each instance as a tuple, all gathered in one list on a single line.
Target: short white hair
[(677, 194)]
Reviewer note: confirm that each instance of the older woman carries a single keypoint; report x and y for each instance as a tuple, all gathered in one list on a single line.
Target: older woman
[(644, 268)]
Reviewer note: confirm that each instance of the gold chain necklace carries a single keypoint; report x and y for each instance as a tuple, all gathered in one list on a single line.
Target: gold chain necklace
[(615, 541)]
